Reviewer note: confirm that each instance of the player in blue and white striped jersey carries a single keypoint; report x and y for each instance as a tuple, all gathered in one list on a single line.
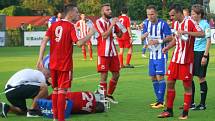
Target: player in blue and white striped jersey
[(157, 32), (57, 17)]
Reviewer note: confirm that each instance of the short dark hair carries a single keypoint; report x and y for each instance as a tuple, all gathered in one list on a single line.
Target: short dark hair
[(177, 7), (151, 7), (100, 107), (105, 4), (198, 9), (124, 10), (69, 7)]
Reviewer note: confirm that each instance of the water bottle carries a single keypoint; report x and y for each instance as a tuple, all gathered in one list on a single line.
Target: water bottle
[(184, 37), (89, 23), (121, 27)]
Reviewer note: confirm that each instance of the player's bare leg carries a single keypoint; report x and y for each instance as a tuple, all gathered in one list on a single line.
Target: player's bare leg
[(121, 52), (112, 87)]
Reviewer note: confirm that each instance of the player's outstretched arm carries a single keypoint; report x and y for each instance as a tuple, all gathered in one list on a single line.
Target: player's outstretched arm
[(169, 46), (42, 51), (195, 34), (82, 41)]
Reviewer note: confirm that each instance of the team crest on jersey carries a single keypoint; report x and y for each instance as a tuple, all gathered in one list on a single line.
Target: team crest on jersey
[(102, 67)]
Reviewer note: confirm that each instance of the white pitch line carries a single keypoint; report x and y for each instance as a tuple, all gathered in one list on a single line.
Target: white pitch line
[(82, 77)]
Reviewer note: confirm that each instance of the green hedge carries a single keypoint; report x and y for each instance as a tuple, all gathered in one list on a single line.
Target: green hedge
[(16, 11)]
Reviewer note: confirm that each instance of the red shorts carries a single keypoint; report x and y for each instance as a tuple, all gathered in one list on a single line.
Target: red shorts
[(61, 79), (180, 71), (108, 63), (125, 43)]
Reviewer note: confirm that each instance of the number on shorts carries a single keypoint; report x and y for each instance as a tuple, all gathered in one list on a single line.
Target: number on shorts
[(58, 33)]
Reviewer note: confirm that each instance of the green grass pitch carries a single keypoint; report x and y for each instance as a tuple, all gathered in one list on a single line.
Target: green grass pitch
[(134, 91)]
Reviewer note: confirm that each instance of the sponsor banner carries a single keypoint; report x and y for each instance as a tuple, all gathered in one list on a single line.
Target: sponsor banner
[(2, 38), (213, 36), (136, 35), (33, 38)]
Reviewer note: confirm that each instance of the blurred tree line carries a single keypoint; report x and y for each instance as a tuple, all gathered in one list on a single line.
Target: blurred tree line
[(137, 8)]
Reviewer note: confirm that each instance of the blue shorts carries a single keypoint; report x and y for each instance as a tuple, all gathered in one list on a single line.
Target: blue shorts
[(157, 67)]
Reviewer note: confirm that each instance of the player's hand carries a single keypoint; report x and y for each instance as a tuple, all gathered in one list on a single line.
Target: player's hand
[(180, 32), (144, 36), (204, 61), (92, 30), (114, 20), (153, 42), (164, 50), (40, 64)]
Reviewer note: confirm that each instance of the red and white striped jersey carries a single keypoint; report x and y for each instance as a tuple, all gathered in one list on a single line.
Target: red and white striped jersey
[(183, 52), (105, 47), (84, 29)]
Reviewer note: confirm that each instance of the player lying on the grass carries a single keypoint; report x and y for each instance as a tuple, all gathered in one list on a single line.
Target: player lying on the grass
[(84, 102), (25, 84)]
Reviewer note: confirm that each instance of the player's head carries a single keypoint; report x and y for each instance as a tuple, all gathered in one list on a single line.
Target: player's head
[(151, 13), (186, 12), (177, 11), (106, 10), (82, 16), (197, 12), (71, 12), (124, 10), (45, 72), (58, 13), (100, 107)]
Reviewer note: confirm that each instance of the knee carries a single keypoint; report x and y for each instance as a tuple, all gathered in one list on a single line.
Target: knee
[(116, 76), (170, 85)]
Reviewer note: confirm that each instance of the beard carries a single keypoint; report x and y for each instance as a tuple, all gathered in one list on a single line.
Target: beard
[(108, 16)]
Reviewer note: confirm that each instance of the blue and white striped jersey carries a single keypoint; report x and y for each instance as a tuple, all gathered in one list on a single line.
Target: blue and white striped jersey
[(158, 30)]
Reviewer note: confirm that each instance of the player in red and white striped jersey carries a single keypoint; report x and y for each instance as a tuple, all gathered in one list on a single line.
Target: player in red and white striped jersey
[(83, 30), (107, 52), (181, 64)]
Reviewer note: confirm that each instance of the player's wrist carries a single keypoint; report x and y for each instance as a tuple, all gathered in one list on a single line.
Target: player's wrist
[(205, 56), (160, 41)]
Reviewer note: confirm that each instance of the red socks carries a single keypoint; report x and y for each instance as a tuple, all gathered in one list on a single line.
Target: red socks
[(170, 98), (54, 103), (187, 101), (112, 86), (84, 52), (121, 60), (128, 59), (90, 51), (61, 105), (104, 85)]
